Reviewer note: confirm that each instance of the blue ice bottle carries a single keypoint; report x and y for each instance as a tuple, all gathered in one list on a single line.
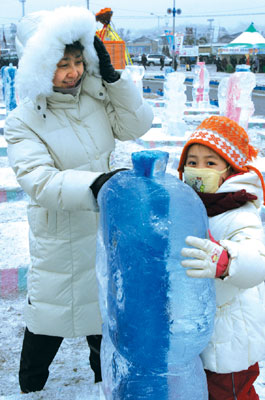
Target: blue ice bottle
[(156, 319)]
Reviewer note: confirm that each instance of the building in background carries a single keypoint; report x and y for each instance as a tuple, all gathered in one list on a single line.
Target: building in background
[(143, 45), (7, 44)]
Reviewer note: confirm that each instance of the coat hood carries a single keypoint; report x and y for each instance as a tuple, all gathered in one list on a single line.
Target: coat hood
[(248, 181), (41, 39)]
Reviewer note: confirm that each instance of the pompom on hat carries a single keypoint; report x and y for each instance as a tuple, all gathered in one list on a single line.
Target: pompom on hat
[(227, 139)]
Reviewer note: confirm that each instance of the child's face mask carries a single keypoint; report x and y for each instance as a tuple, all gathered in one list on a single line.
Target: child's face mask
[(205, 180)]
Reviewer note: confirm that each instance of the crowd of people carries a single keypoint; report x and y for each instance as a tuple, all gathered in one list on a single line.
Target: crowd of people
[(228, 64), (224, 64)]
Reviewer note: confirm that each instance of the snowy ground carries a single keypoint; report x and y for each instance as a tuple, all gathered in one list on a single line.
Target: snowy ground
[(70, 375)]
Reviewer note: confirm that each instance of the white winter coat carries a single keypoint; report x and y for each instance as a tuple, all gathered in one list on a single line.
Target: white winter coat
[(58, 144), (238, 340)]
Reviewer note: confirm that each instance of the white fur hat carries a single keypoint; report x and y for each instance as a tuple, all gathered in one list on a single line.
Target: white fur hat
[(41, 39)]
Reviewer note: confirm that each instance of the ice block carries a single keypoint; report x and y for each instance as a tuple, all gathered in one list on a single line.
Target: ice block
[(156, 319)]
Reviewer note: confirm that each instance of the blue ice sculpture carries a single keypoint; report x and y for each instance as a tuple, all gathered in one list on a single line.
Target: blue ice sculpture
[(9, 92), (156, 319), (2, 77)]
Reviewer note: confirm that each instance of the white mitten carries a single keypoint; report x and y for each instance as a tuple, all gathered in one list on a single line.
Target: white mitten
[(209, 259)]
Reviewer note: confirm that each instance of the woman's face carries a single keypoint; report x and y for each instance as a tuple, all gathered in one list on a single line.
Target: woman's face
[(69, 70)]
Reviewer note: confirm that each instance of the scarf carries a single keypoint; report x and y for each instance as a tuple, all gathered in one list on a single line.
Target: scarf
[(217, 203), (73, 90)]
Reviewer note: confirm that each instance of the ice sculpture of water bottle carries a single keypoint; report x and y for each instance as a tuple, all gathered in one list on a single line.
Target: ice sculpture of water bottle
[(234, 95), (156, 319), (175, 104), (9, 74), (200, 89)]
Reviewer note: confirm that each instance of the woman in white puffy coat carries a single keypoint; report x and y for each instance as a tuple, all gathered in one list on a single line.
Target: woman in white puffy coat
[(72, 106), (215, 163)]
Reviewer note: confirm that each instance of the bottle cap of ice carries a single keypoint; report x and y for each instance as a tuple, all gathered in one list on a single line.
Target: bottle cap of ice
[(150, 163)]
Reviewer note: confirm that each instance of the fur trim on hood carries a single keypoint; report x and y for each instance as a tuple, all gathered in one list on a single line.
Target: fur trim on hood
[(41, 39)]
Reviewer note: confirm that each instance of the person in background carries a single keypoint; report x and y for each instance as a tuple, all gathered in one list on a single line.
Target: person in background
[(229, 68), (233, 61), (175, 63), (242, 60), (162, 62), (256, 65), (224, 63), (219, 67), (215, 162), (72, 106), (144, 60)]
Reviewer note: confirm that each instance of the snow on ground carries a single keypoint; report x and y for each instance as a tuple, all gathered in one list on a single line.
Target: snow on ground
[(13, 235), (70, 374)]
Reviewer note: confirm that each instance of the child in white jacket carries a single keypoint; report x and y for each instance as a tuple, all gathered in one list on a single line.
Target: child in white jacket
[(215, 163)]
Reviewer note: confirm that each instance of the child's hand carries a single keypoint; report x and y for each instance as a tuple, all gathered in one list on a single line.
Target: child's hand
[(210, 259)]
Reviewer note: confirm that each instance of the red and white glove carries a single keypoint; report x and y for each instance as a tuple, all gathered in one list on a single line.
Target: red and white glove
[(209, 258)]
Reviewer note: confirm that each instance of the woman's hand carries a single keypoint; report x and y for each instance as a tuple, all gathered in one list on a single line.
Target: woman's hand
[(103, 178), (107, 71)]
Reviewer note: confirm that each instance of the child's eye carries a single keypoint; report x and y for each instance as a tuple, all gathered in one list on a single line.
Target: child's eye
[(192, 163), (63, 65), (210, 163)]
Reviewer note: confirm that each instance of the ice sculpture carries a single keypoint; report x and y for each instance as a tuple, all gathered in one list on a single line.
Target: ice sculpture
[(2, 77), (9, 92), (156, 320), (234, 95), (137, 73), (175, 104), (200, 87)]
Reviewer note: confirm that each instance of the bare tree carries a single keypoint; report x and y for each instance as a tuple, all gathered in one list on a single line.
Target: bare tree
[(124, 34)]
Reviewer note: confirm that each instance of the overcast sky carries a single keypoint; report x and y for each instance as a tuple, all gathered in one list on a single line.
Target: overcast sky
[(140, 14)]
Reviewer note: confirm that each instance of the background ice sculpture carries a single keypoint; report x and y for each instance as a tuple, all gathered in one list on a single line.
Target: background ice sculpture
[(200, 87), (8, 76), (175, 104), (137, 73), (234, 95), (156, 320), (2, 77)]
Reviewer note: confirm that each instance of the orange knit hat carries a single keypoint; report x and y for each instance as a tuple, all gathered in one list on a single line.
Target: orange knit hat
[(226, 138)]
